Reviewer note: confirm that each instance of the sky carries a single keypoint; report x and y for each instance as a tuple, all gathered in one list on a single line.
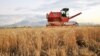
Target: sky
[(38, 8)]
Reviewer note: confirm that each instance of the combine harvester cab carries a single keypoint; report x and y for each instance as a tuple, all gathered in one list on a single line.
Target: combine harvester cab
[(60, 18)]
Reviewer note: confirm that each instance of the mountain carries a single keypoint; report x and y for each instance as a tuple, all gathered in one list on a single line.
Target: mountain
[(27, 23)]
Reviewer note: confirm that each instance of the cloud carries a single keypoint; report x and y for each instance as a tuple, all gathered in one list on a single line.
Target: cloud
[(90, 16), (33, 6)]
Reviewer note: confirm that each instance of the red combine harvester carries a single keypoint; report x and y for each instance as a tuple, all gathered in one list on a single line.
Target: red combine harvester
[(61, 18)]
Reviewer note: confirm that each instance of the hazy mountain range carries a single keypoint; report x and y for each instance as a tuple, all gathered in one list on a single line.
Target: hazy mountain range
[(22, 20), (27, 23), (41, 23)]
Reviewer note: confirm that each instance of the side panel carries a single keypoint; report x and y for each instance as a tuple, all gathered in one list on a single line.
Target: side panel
[(64, 19)]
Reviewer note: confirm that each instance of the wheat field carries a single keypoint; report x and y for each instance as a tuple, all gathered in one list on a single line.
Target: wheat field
[(50, 41)]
